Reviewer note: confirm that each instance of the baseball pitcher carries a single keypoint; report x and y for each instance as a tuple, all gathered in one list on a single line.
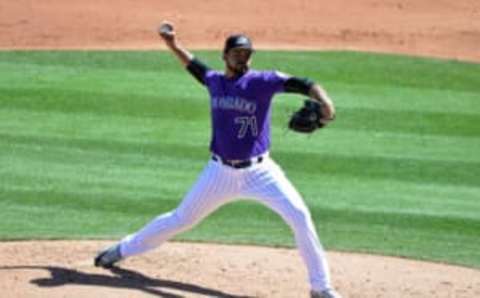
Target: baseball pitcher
[(240, 165)]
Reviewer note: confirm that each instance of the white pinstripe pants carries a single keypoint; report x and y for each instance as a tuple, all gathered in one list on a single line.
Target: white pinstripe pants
[(218, 184)]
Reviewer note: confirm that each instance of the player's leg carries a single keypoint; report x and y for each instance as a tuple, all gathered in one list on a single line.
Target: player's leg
[(269, 185), (213, 188)]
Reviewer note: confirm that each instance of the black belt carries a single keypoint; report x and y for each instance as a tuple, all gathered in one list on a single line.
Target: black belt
[(238, 164)]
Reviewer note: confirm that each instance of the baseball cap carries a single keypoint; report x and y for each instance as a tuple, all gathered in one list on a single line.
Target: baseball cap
[(237, 41)]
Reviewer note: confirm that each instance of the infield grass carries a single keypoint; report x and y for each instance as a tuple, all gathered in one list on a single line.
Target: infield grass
[(95, 144)]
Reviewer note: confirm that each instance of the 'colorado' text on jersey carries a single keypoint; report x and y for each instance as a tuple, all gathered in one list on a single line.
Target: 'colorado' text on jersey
[(240, 111)]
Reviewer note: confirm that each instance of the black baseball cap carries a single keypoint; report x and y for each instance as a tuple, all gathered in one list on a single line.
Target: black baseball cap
[(238, 41)]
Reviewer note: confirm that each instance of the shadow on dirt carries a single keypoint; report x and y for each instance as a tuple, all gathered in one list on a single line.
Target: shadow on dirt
[(123, 278)]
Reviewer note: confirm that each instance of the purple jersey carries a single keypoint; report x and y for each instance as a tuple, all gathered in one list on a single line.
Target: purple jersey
[(240, 111)]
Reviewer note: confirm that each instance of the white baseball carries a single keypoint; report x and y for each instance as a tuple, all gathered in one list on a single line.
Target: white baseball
[(165, 28)]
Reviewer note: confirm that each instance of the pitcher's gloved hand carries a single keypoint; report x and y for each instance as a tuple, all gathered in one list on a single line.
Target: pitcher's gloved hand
[(308, 118)]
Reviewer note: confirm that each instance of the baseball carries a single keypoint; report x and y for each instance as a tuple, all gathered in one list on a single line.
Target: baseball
[(165, 28)]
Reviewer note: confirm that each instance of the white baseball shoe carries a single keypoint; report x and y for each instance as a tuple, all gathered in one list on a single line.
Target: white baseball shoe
[(108, 257), (329, 293)]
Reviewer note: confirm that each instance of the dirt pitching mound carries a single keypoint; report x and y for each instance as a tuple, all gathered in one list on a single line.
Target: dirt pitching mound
[(64, 269)]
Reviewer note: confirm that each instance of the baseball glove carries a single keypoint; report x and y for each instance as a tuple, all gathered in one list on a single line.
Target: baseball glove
[(307, 118)]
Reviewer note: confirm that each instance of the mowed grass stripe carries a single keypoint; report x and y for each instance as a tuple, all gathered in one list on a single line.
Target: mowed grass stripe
[(398, 98), (448, 123), (67, 127), (80, 155), (376, 70), (367, 167), (80, 225), (412, 122), (150, 172), (85, 201), (384, 144), (390, 196), (348, 67), (71, 101)]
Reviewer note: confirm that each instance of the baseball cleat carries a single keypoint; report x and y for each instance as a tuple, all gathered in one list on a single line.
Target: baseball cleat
[(325, 294), (108, 257)]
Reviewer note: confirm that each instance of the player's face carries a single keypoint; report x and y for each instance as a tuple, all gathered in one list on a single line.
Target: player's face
[(238, 60)]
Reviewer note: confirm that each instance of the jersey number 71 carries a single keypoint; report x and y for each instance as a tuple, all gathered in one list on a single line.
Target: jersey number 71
[(247, 123)]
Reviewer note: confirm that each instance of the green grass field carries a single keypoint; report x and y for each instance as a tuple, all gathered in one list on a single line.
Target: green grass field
[(95, 144)]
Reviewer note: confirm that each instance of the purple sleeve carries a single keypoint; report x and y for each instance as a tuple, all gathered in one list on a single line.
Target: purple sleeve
[(276, 80), (209, 76)]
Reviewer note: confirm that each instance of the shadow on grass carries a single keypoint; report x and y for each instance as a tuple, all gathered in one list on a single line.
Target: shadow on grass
[(122, 278)]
